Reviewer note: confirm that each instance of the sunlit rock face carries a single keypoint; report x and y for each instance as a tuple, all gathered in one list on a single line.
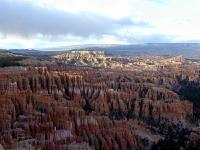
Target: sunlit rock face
[(84, 108), (103, 59)]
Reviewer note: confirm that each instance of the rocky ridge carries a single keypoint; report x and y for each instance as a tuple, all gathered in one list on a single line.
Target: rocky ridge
[(84, 109)]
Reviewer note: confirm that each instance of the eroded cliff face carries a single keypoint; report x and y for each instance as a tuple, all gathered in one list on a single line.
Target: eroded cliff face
[(85, 109)]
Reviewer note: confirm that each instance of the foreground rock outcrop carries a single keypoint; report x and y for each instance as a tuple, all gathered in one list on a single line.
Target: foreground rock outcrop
[(54, 108)]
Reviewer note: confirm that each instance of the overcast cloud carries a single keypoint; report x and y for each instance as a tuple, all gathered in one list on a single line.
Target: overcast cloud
[(45, 23), (23, 18)]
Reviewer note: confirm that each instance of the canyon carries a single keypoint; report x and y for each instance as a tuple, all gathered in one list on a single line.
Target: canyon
[(74, 106)]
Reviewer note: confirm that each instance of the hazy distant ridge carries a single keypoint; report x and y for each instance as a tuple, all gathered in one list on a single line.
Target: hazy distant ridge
[(190, 50)]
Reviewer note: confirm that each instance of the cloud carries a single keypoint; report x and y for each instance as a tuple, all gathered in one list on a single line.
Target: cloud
[(46, 23), (25, 19), (137, 37), (153, 38), (157, 1)]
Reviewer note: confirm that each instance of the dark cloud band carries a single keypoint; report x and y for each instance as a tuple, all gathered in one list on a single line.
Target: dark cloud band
[(22, 18)]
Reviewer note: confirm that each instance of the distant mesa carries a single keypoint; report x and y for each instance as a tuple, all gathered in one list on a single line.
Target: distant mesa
[(84, 58), (101, 59)]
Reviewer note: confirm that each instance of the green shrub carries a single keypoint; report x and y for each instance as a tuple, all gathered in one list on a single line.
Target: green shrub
[(10, 61)]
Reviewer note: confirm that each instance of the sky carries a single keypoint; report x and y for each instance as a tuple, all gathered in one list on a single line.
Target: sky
[(55, 23)]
